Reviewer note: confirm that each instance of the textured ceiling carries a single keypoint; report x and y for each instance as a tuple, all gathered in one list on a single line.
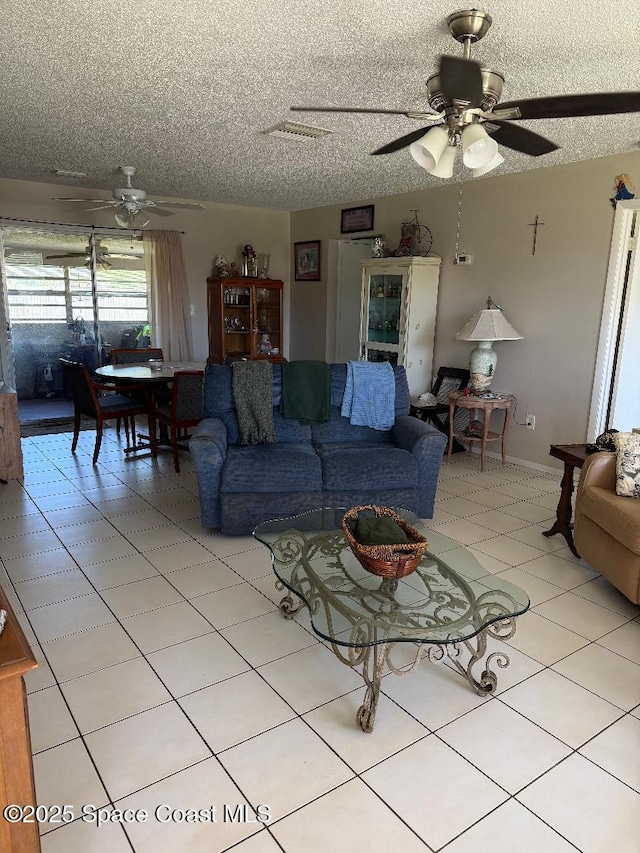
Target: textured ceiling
[(182, 90)]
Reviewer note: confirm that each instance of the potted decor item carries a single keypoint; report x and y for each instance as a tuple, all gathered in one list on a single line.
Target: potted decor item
[(383, 542), (249, 262)]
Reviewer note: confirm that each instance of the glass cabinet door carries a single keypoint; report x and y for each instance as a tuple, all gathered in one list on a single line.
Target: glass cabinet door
[(385, 301)]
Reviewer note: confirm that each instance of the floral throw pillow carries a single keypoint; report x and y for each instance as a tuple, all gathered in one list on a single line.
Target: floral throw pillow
[(627, 464)]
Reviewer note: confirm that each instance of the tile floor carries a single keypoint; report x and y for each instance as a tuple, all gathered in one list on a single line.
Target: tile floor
[(168, 679)]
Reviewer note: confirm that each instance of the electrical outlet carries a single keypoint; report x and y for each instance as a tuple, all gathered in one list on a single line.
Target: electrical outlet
[(530, 422), (463, 258)]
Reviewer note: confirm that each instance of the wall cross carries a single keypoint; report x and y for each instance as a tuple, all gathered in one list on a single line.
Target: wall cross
[(536, 224)]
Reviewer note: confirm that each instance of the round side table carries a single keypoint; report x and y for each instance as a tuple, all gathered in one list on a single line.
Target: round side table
[(486, 405)]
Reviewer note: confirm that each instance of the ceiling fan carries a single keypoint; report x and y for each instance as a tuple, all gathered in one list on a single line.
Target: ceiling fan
[(134, 203), (464, 110), (103, 256)]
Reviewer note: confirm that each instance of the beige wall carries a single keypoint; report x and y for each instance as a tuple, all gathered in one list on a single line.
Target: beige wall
[(553, 298), (220, 229)]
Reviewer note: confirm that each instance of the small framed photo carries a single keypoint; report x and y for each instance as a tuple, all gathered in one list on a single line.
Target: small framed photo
[(307, 260), (357, 219)]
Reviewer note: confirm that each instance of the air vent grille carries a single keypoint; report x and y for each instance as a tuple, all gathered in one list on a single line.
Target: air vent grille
[(300, 132)]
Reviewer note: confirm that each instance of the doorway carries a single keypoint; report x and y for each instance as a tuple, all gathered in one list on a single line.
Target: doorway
[(615, 401), (349, 297), (68, 293)]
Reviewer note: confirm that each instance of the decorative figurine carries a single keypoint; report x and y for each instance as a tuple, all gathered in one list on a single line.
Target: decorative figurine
[(377, 250), (625, 189), (249, 262), (221, 266), (264, 347)]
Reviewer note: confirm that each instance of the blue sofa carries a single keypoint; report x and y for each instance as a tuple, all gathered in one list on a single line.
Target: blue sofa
[(310, 465)]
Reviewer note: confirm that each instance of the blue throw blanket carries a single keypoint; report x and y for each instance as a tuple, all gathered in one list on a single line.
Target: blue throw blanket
[(369, 394)]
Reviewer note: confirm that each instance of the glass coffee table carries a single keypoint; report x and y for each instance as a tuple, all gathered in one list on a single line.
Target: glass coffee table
[(447, 608)]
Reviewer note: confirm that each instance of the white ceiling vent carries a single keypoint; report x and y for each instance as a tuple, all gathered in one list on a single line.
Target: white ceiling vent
[(293, 130)]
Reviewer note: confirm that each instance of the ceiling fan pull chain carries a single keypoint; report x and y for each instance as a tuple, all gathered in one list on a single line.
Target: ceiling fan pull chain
[(458, 224)]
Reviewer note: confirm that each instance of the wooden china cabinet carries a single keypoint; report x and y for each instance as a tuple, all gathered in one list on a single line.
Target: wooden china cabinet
[(245, 319)]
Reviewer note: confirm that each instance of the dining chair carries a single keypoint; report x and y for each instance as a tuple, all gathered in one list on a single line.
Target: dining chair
[(129, 356), (133, 356), (85, 393), (183, 410)]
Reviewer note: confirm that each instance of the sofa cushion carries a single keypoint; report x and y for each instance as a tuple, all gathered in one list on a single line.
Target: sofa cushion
[(627, 464), (218, 403), (267, 468), (619, 517), (366, 467), (339, 380), (341, 430)]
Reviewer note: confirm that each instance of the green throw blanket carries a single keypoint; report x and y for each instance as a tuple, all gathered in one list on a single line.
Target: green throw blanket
[(252, 394), (306, 391)]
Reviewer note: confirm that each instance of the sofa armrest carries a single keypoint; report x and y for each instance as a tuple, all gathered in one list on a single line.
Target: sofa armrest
[(208, 446), (427, 444), (408, 431), (599, 469)]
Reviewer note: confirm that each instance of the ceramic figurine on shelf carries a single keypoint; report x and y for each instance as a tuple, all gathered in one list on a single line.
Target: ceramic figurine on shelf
[(377, 250), (221, 266), (264, 347)]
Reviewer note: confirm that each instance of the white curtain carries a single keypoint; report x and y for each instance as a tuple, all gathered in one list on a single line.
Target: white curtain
[(169, 294)]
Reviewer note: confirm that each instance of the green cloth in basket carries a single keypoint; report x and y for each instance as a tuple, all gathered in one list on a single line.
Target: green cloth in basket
[(379, 531)]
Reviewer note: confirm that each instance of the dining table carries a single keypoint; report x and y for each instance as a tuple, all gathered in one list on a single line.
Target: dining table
[(143, 373), (156, 381)]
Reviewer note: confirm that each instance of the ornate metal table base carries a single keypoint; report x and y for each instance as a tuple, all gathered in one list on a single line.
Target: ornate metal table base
[(374, 658)]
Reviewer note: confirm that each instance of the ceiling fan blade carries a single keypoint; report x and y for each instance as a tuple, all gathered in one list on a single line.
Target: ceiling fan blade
[(159, 211), (348, 110), (84, 200), (66, 257), (402, 141), (182, 205), (102, 207), (461, 80), (519, 138), (568, 106)]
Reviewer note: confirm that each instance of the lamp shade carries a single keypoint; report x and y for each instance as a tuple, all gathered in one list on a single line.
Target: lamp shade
[(428, 149), (444, 169), (490, 324), (493, 164), (478, 148)]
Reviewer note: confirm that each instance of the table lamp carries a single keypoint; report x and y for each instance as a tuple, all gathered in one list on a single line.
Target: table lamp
[(486, 326)]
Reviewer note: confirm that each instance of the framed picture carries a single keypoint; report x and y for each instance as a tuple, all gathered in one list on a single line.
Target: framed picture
[(357, 219), (307, 260)]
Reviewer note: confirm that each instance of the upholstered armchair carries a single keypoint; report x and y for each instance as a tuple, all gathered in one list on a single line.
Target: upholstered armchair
[(607, 526)]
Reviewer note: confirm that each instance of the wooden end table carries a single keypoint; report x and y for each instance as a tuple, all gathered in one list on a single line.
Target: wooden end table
[(573, 456), (486, 405)]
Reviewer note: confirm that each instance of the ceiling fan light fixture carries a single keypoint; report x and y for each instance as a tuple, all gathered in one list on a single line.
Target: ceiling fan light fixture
[(492, 164), (444, 168), (123, 219), (429, 148), (478, 148)]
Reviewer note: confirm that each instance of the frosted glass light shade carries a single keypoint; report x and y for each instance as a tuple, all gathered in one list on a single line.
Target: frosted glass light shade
[(478, 148), (497, 160), (490, 324), (444, 169), (428, 150)]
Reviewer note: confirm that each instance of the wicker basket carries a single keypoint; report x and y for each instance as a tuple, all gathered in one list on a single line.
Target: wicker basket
[(387, 561)]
